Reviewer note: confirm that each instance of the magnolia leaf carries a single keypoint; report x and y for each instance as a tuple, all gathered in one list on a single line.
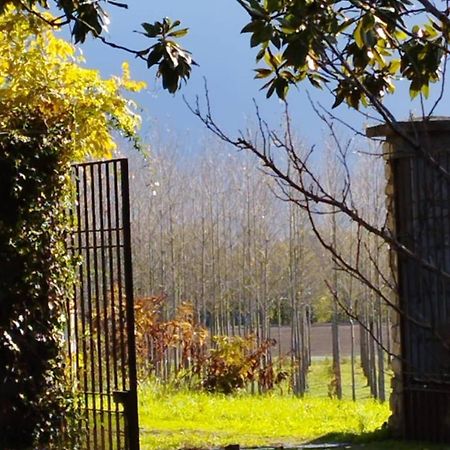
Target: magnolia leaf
[(151, 30), (155, 55), (253, 26), (179, 33), (394, 66), (358, 34), (263, 73)]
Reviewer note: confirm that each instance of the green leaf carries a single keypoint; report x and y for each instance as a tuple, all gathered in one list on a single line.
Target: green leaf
[(255, 40), (315, 83), (255, 4), (338, 100), (413, 93), (296, 52), (358, 34), (252, 26), (276, 41), (288, 30), (268, 84), (281, 87), (253, 8), (155, 55), (170, 77), (353, 100), (263, 73), (272, 60), (287, 76), (260, 54), (151, 30), (431, 29), (415, 88), (261, 35), (179, 33), (273, 5), (271, 89), (400, 35), (394, 66)]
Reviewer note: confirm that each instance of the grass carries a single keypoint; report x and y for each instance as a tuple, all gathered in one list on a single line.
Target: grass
[(320, 375), (172, 420), (198, 419)]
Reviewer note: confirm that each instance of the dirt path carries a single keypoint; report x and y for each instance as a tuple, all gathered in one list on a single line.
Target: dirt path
[(320, 339)]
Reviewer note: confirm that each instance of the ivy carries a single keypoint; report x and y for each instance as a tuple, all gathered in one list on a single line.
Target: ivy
[(35, 281), (53, 112)]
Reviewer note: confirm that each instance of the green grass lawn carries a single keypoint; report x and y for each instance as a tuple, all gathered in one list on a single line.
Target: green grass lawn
[(175, 420)]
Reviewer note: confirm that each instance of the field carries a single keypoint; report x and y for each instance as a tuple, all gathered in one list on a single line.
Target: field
[(172, 420), (320, 339)]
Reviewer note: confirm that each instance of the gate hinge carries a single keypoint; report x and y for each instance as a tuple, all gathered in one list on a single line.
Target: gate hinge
[(121, 397)]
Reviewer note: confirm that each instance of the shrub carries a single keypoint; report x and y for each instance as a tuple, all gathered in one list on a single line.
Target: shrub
[(155, 338), (237, 361), (35, 280), (230, 364), (53, 112)]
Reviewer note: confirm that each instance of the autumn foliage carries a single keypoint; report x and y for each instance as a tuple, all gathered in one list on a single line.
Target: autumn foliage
[(156, 337), (180, 349)]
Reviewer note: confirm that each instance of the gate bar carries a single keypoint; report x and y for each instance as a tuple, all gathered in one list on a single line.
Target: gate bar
[(133, 431)]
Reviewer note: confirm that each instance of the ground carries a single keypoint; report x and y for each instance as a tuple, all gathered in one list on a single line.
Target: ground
[(184, 419)]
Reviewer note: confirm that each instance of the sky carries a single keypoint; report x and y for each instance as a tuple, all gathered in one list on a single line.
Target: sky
[(226, 61)]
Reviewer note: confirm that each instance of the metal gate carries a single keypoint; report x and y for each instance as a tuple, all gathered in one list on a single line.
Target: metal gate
[(100, 323)]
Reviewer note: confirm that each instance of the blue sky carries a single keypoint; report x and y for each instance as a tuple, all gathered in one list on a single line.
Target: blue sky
[(226, 61)]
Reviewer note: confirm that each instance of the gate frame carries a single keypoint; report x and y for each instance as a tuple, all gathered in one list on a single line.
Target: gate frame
[(117, 174), (132, 404)]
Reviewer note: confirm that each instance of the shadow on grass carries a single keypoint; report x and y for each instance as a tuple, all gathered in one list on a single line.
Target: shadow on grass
[(377, 440)]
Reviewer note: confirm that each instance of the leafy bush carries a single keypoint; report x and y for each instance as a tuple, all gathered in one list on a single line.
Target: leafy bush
[(155, 338), (53, 112), (35, 280), (236, 361), (231, 363)]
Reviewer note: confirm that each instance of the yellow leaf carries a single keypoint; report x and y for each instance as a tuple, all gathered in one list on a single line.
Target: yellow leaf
[(42, 73)]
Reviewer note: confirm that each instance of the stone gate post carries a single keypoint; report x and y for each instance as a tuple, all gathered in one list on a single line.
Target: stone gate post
[(417, 155)]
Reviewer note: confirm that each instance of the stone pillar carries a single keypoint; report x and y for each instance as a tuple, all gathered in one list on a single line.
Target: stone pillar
[(396, 422), (417, 157)]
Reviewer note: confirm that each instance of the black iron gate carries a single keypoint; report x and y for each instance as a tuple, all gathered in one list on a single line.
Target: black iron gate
[(100, 322)]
